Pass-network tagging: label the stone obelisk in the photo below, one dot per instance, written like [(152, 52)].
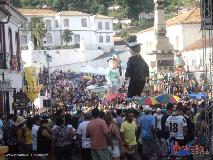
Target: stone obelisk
[(162, 47)]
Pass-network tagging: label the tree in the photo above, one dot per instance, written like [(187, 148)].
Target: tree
[(16, 3), (119, 13), (38, 31), (147, 6), (102, 10), (117, 26), (67, 36), (57, 4), (125, 36)]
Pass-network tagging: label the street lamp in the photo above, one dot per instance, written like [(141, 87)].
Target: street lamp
[(49, 59)]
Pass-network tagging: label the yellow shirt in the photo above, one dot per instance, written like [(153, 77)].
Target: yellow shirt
[(128, 130), (28, 137)]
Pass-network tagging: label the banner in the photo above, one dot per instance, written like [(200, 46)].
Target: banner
[(31, 74), (32, 89)]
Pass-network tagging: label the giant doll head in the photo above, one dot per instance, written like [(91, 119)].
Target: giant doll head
[(114, 62)]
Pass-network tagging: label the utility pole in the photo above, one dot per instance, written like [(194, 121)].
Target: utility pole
[(49, 59)]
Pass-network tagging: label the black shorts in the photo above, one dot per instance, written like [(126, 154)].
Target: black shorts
[(135, 88)]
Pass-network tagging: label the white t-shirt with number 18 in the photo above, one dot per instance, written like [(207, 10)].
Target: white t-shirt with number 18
[(176, 123)]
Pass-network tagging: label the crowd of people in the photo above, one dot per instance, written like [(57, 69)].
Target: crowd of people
[(170, 83), (109, 133), (84, 127), (69, 88)]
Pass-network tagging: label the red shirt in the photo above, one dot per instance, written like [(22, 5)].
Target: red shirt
[(96, 130)]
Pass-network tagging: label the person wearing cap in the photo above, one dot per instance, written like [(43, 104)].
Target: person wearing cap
[(84, 141), (19, 126), (137, 69), (147, 127)]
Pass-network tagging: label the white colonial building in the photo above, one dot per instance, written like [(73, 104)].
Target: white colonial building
[(95, 31), (196, 60), (182, 31), (11, 79)]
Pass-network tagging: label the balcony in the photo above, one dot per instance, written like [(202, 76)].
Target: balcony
[(3, 60)]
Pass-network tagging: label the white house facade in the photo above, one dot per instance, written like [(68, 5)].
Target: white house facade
[(94, 31), (182, 31), (195, 59), (10, 56)]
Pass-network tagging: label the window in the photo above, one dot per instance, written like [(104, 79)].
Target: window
[(66, 22), (101, 39), (48, 25), (83, 22), (2, 38), (177, 42), (193, 62), (77, 38), (56, 24), (10, 41), (107, 25), (100, 27), (49, 39), (23, 39), (18, 54), (107, 39)]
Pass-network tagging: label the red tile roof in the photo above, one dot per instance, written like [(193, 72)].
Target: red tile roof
[(37, 12), (191, 17), (72, 13), (198, 45)]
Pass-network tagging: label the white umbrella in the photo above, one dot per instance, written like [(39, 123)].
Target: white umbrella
[(99, 89)]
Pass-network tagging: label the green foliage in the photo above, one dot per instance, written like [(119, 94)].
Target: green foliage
[(173, 5), (143, 23), (119, 13), (16, 3), (57, 5), (125, 36), (67, 36), (147, 6), (38, 31), (102, 10), (128, 8), (117, 26)]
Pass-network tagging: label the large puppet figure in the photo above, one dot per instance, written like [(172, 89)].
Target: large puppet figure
[(113, 77), (137, 70)]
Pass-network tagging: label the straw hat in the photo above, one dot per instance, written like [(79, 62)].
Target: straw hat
[(19, 120)]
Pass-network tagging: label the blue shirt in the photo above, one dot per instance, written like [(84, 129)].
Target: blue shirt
[(146, 123)]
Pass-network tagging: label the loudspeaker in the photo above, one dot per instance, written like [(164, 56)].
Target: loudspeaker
[(47, 103), (206, 14)]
